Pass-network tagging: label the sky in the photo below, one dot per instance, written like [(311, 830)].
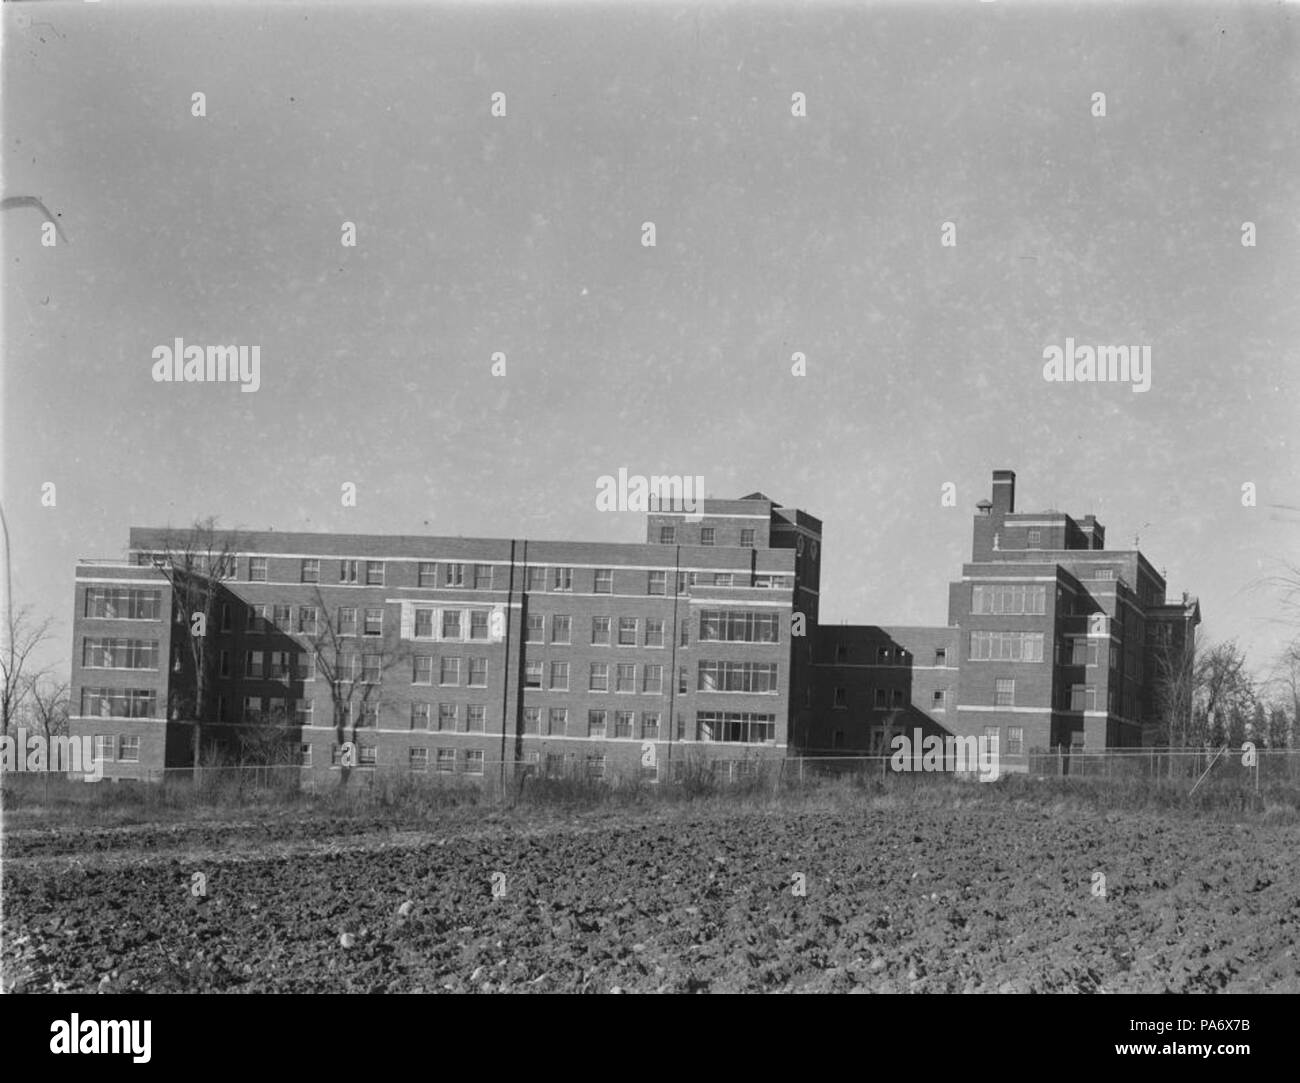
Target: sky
[(774, 234)]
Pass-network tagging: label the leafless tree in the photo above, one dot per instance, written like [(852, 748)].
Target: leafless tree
[(23, 634), (1225, 692), (49, 708)]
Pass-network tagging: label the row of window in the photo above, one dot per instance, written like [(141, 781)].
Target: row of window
[(123, 603), (124, 749), (1006, 646), (1009, 598), (708, 536), (111, 653)]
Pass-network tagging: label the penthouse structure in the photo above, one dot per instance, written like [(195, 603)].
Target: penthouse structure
[(450, 654)]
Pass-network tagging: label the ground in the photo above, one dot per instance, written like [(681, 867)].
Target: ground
[(900, 896)]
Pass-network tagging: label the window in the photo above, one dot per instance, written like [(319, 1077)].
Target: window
[(595, 723), (449, 672), (1033, 539), (307, 620), (722, 579), (683, 681), (557, 721), (447, 717), (562, 579), (623, 723), (309, 571), (657, 583), (226, 622), (737, 677), (706, 535), (303, 710), (256, 623), (223, 665), (423, 624), (882, 699), (367, 755), (559, 676), (280, 666), (682, 580), (420, 716), (347, 571), (654, 632), (535, 629), (478, 672), (478, 624), (652, 680), (686, 633), (882, 655), (128, 604), (532, 720), (600, 631), (104, 748), (1009, 598), (533, 674), (129, 750), (422, 669), (667, 535), (938, 699), (347, 621), (561, 629), (119, 653), (304, 755), (306, 666), (1083, 697), (1006, 646), (453, 575), (725, 626), (370, 665), (896, 697), (253, 665), (451, 624), (747, 539), (595, 766), (374, 622), (940, 656), (257, 569), (282, 618), (1004, 693), (537, 579), (445, 761), (1083, 652), (473, 761), (374, 573), (482, 576), (649, 725), (625, 678), (475, 718), (1104, 573), (742, 727), (627, 631), (427, 574), (599, 681), (252, 709), (1015, 740), (992, 738), (419, 759), (604, 581), (841, 699)]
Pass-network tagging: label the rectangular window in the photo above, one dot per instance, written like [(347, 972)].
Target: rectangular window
[(1015, 740), (449, 671), (727, 626), (599, 681), (478, 624), (722, 579), (938, 699), (557, 721), (256, 623), (667, 535), (757, 677), (374, 622), (562, 579), (1033, 539), (595, 767), (304, 755), (478, 672), (307, 620), (104, 747), (742, 727), (652, 681), (445, 761), (305, 663), (447, 717), (482, 576), (707, 534), (657, 583), (108, 603), (595, 723), (533, 674), (532, 720), (473, 761), (226, 614), (896, 697), (650, 725), (374, 573), (347, 571), (1009, 598), (367, 755), (282, 618), (600, 631), (625, 678), (453, 575), (1083, 697), (623, 723), (535, 629), (427, 574), (252, 709), (475, 718), (119, 653), (686, 633), (309, 571), (1004, 694), (129, 750), (559, 676), (654, 632), (422, 669), (747, 539), (223, 665), (627, 631), (347, 621), (1006, 646), (423, 624), (561, 629), (451, 624), (420, 716), (303, 709), (537, 579), (604, 581), (253, 666), (882, 699), (370, 667), (683, 681), (280, 666), (419, 759), (941, 656), (257, 569), (841, 698)]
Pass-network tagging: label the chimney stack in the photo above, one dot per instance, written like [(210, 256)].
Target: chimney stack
[(1004, 491)]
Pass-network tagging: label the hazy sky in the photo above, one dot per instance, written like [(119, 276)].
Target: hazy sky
[(775, 234)]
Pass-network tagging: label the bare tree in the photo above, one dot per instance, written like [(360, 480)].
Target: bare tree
[(1225, 692), (352, 665), (50, 708), (23, 634), (1175, 690), (196, 562)]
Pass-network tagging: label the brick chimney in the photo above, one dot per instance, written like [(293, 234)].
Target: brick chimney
[(1004, 492)]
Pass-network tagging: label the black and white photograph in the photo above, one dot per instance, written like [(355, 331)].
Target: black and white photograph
[(650, 498)]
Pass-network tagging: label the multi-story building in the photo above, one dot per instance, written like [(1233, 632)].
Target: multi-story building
[(467, 655), (1052, 640)]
